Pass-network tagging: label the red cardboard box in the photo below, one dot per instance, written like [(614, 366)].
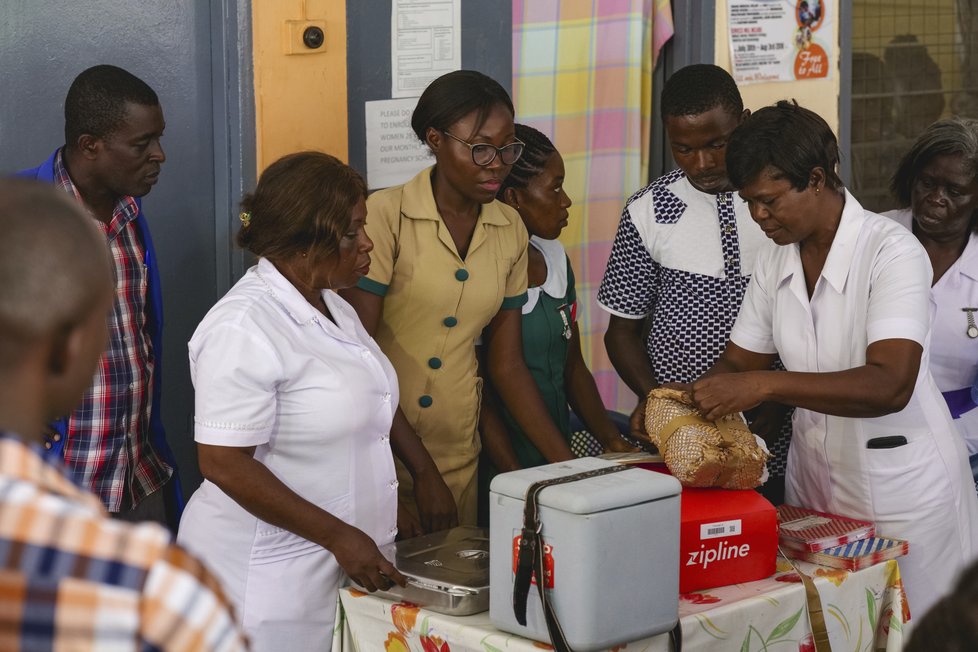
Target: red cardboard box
[(726, 537)]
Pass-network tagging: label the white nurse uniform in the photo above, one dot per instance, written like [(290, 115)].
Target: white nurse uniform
[(953, 352), (317, 399), (874, 286)]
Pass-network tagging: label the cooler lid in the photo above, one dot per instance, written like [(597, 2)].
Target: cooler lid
[(592, 495), (458, 557)]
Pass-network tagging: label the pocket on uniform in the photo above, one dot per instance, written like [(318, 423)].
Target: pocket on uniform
[(274, 544), (903, 479)]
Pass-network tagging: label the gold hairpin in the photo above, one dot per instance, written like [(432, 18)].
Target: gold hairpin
[(245, 218)]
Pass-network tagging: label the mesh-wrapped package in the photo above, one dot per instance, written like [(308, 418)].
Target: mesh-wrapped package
[(702, 453)]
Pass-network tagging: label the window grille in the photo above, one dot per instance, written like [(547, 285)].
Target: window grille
[(913, 62)]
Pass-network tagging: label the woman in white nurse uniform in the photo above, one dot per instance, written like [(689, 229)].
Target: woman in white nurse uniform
[(844, 302), (937, 183), (294, 403)]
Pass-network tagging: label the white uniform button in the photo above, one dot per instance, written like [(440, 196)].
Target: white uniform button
[(387, 397)]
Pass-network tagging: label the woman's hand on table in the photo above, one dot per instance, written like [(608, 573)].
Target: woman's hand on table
[(722, 394), (636, 422), (408, 525), (436, 505), (613, 443), (359, 557)]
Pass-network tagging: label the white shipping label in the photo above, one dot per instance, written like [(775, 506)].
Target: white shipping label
[(806, 522), (720, 529)]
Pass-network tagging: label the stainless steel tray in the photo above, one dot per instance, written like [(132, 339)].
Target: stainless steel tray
[(448, 571)]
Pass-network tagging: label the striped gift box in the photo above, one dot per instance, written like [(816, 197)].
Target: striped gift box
[(856, 555), (807, 530)]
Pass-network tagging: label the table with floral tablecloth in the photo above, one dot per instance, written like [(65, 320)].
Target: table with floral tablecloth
[(864, 610)]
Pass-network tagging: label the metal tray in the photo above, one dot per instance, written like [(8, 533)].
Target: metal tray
[(448, 571)]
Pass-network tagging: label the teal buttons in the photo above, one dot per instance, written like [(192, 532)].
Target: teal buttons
[(449, 321), (461, 275), (424, 401), (434, 363)]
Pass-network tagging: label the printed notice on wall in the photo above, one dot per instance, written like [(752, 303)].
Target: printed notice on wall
[(425, 43), (394, 153), (780, 40)]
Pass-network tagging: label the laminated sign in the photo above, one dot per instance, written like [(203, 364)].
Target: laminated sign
[(780, 40)]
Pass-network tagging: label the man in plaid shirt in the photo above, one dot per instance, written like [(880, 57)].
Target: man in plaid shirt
[(70, 578), (113, 442)]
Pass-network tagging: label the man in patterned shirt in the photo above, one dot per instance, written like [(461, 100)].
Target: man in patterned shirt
[(70, 578), (683, 256), (113, 442)]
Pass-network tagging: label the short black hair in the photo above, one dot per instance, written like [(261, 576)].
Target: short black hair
[(698, 88), (453, 96), (537, 151), (96, 101), (954, 136), (788, 137)]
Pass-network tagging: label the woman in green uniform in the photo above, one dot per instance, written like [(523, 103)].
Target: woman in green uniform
[(551, 341)]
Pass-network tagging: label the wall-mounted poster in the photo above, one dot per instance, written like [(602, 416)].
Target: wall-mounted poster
[(394, 153), (425, 43), (780, 40)]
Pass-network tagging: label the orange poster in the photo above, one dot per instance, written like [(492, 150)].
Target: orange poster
[(780, 40)]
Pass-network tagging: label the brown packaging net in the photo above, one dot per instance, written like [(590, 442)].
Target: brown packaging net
[(702, 453)]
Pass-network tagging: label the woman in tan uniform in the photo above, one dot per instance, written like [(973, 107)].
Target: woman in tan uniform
[(449, 262)]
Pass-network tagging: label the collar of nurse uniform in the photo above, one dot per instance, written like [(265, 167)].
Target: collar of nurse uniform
[(295, 305), (839, 261), (967, 263), (418, 202)]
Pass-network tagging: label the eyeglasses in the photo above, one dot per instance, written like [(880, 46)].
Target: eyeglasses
[(484, 154)]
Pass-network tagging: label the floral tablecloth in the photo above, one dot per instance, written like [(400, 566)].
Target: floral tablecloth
[(864, 610)]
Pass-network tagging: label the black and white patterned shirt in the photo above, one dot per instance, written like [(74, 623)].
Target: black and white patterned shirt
[(682, 258)]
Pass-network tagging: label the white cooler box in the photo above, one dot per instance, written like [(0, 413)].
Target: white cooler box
[(611, 553)]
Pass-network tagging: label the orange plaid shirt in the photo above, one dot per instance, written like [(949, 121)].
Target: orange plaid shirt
[(71, 578)]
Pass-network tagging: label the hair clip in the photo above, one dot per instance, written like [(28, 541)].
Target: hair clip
[(245, 218)]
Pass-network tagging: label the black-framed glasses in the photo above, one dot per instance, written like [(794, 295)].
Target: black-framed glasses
[(484, 154)]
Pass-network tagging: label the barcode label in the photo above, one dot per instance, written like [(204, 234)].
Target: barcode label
[(721, 529)]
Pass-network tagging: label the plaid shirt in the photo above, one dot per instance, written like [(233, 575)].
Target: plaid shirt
[(71, 578), (108, 448)]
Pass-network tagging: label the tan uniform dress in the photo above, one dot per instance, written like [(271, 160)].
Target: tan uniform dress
[(435, 306)]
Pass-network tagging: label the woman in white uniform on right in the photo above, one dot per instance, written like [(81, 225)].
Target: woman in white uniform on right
[(844, 301), (937, 184)]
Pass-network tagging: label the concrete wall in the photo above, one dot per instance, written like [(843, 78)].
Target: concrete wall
[(179, 49)]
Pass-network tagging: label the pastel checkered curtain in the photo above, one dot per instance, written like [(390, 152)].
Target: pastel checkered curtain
[(582, 74)]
